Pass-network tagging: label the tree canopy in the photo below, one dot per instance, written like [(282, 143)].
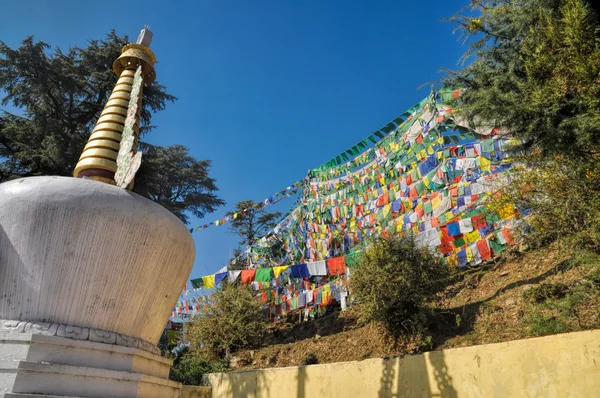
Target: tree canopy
[(58, 96), (535, 72), (252, 221)]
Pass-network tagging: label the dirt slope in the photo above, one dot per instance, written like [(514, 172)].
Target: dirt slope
[(485, 305)]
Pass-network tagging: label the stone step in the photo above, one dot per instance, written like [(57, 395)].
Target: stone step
[(79, 381), (64, 351)]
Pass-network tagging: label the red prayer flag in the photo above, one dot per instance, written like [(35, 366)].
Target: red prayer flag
[(412, 194), (508, 236), (336, 266), (446, 247), (478, 221), (484, 249), (247, 275)]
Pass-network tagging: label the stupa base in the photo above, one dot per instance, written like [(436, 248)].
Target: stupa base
[(32, 364)]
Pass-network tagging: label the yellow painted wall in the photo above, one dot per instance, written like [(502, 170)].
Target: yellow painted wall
[(565, 365)]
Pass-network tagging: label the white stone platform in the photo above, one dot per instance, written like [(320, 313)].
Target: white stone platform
[(51, 365)]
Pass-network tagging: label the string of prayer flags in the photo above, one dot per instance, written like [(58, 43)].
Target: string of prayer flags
[(271, 200)]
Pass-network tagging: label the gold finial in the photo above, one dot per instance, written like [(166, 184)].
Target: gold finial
[(99, 158)]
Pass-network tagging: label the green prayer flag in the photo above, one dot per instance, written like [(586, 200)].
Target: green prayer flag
[(197, 283), (492, 217), (442, 218), (421, 188), (427, 207), (487, 145), (263, 275), (459, 242), (496, 247)]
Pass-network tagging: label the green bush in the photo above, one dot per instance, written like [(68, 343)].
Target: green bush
[(393, 280), (234, 320), (545, 291), (564, 197), (190, 371)]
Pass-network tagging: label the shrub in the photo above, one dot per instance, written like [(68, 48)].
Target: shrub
[(545, 291), (564, 197), (393, 280), (190, 371), (234, 320)]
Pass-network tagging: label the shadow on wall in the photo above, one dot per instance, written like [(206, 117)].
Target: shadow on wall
[(412, 376), (242, 383), (419, 376), (18, 281), (301, 379)]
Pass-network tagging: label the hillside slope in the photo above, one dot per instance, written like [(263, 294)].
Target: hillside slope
[(521, 295)]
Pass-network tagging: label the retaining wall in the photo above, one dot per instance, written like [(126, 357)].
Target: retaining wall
[(565, 365)]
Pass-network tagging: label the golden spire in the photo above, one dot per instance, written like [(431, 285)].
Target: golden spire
[(99, 158)]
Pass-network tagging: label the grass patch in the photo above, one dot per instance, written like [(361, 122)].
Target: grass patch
[(546, 291)]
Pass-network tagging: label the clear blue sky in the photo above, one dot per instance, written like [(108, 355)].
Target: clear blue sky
[(267, 89)]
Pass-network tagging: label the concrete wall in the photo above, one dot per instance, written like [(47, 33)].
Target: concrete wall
[(566, 365)]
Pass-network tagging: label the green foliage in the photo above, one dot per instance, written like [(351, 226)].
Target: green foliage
[(540, 325), (545, 291), (556, 308), (594, 277), (177, 181), (58, 96), (564, 195), (394, 279), (536, 72), (191, 371), (251, 223), (233, 321)]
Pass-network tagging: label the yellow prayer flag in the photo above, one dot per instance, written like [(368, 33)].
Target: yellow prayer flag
[(278, 270), (469, 254), (209, 281), (473, 236), (506, 212), (386, 210), (485, 164)]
